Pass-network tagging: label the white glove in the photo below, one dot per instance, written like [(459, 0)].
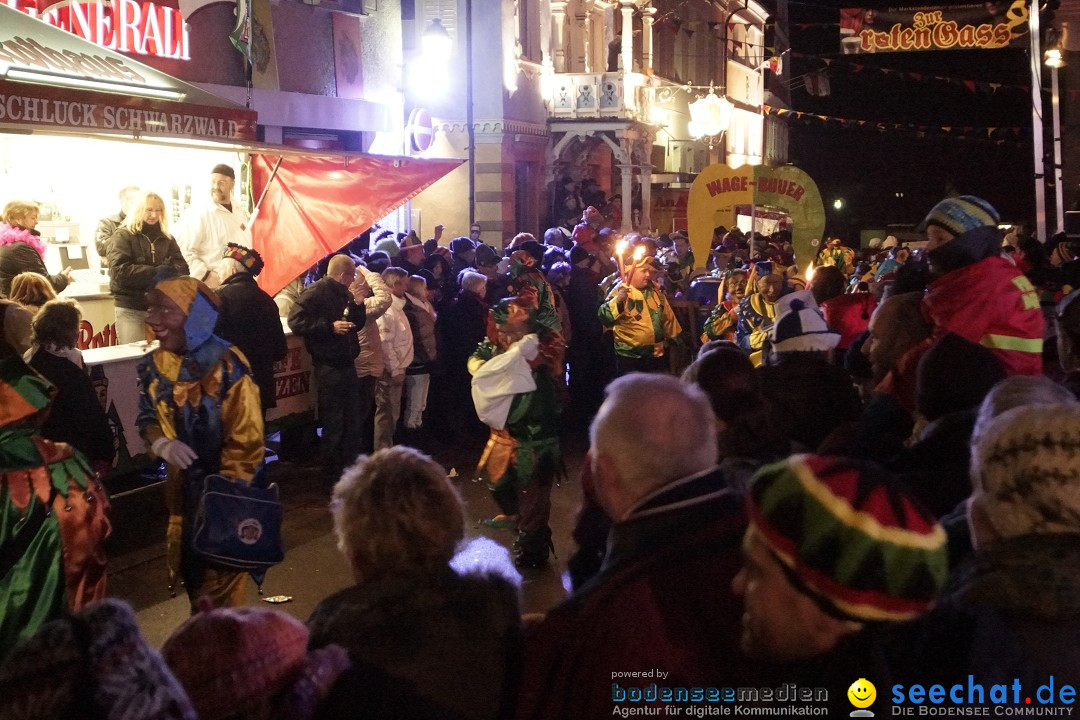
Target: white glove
[(174, 452)]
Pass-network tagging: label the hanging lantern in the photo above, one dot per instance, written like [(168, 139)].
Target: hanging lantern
[(710, 115)]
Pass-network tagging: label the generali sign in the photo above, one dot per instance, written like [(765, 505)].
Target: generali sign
[(139, 28), (29, 53)]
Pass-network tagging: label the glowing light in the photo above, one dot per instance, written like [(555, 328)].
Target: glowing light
[(710, 115)]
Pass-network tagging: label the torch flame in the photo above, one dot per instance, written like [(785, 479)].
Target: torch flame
[(810, 273), (639, 252), (620, 248)]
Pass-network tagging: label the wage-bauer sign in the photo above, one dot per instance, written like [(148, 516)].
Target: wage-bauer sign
[(963, 27)]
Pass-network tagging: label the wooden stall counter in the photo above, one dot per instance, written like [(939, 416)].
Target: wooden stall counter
[(113, 371)]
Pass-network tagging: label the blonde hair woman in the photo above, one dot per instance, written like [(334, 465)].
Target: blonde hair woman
[(140, 252), (398, 521), (22, 249)]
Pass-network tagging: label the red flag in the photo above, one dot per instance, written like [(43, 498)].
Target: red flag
[(315, 205)]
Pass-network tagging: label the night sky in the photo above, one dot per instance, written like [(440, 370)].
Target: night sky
[(867, 167)]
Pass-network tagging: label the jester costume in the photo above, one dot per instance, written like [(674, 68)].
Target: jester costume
[(756, 316), (53, 520), (838, 256), (643, 326), (721, 322), (525, 272), (897, 258), (205, 398), (522, 456)]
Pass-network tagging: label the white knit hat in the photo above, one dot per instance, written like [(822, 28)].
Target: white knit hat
[(800, 326), (1025, 470)]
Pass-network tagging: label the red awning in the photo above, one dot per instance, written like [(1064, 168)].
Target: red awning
[(314, 206)]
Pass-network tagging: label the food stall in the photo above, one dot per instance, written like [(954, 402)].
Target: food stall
[(79, 122)]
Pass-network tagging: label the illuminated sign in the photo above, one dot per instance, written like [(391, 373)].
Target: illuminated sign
[(29, 53), (982, 26), (139, 28)]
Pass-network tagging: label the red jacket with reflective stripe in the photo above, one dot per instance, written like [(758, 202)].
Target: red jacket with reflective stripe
[(994, 304)]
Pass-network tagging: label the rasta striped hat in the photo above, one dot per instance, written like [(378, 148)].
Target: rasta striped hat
[(849, 537), (958, 215)]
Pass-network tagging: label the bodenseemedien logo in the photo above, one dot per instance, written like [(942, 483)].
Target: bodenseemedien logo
[(862, 694)]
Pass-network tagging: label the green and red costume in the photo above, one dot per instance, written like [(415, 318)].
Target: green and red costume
[(53, 520)]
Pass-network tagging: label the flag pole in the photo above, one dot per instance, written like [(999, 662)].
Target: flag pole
[(266, 188)]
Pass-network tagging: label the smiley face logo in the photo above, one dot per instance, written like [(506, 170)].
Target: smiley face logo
[(862, 693)]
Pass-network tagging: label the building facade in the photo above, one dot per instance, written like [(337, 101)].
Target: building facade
[(575, 102)]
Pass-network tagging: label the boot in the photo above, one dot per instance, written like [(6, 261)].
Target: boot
[(531, 549)]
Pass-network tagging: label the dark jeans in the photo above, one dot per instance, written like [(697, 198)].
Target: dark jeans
[(646, 365), (340, 416)]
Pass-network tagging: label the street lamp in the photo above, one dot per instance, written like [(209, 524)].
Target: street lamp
[(838, 204), (430, 69), (435, 42), (1054, 58), (710, 116)]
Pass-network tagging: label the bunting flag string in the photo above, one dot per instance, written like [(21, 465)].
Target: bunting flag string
[(973, 86), (998, 134)]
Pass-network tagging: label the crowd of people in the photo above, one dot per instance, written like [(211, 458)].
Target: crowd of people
[(868, 469)]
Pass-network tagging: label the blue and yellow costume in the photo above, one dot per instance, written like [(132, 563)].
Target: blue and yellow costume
[(205, 398), (755, 318)]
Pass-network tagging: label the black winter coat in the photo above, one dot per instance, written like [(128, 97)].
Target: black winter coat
[(313, 316), (106, 228), (453, 637), (135, 260), (249, 320), (18, 257), (462, 326), (75, 416)]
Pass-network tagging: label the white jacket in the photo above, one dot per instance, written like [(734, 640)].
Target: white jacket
[(203, 231), (370, 359), (396, 336)]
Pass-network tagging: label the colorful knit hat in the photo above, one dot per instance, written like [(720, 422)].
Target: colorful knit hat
[(848, 536), (1025, 470), (250, 259), (800, 326), (46, 676), (235, 658), (198, 302), (958, 215)]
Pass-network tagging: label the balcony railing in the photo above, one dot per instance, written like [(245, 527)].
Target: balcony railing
[(616, 95)]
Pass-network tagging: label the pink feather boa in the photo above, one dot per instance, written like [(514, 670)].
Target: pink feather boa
[(10, 234)]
